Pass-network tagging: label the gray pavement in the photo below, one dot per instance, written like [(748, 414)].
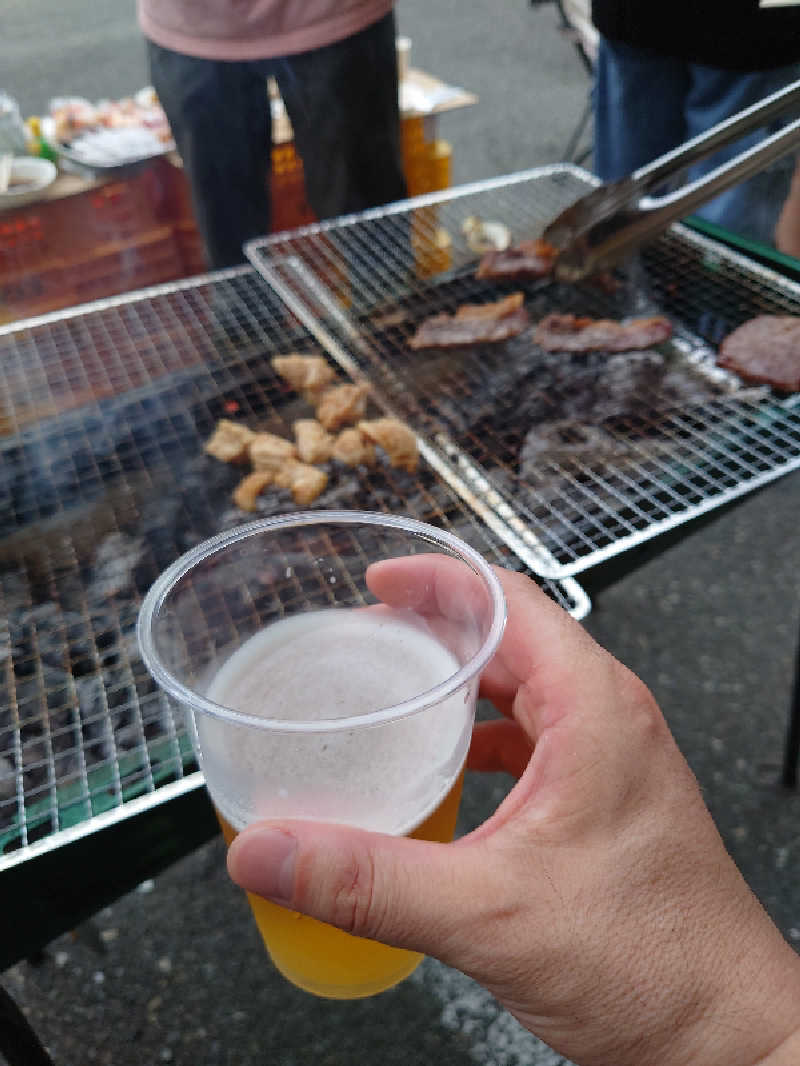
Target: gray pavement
[(710, 624)]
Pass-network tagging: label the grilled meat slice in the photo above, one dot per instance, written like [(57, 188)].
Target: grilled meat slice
[(765, 350), (526, 260), (473, 324), (572, 333)]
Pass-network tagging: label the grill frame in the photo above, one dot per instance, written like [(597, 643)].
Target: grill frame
[(188, 377), (388, 262)]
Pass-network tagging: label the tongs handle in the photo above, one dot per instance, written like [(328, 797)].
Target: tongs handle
[(702, 146), (611, 221)]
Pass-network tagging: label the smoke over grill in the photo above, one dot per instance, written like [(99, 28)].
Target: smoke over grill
[(98, 495)]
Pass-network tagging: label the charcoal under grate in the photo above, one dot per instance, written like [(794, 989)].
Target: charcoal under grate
[(585, 455), (103, 483)]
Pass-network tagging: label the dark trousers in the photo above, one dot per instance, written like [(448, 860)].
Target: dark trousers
[(342, 103)]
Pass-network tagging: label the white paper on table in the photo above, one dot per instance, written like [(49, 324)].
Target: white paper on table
[(423, 101)]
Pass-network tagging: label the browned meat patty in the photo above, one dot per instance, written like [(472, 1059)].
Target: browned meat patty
[(765, 350), (571, 333), (528, 259), (473, 324)]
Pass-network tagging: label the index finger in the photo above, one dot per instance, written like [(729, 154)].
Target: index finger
[(431, 584), (543, 650)]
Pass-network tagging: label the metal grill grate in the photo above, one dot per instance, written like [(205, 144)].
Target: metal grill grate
[(584, 456), (103, 482)]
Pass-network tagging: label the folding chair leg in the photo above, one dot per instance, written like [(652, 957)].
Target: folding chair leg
[(569, 154)]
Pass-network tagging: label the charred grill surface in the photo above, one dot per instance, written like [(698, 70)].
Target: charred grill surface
[(593, 452), (100, 496)]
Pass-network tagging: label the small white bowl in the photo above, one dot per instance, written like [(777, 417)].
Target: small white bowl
[(36, 174)]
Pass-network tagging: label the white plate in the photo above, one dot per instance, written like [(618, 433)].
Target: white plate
[(37, 174), (112, 157)]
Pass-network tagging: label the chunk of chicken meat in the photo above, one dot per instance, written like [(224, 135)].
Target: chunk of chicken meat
[(229, 441), (303, 481), (269, 452), (352, 448), (249, 488), (308, 374), (396, 439), (314, 443), (341, 405)]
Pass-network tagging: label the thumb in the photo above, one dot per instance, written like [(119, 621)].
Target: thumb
[(408, 893)]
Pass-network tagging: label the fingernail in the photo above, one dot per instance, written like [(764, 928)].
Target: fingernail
[(262, 861)]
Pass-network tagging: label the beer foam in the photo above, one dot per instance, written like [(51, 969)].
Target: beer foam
[(322, 666)]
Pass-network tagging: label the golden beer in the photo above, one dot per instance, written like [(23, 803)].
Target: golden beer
[(328, 663), (402, 778), (322, 959)]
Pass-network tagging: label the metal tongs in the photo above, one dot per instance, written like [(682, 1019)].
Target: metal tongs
[(615, 219)]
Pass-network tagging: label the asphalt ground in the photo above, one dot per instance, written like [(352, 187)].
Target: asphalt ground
[(175, 972)]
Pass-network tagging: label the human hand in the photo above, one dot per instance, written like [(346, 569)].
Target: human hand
[(597, 903)]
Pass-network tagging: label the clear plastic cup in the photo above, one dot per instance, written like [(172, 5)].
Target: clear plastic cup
[(329, 664)]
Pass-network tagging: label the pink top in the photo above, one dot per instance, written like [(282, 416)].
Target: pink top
[(254, 29)]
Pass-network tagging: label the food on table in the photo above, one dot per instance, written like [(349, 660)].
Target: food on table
[(765, 350), (526, 260), (230, 441), (72, 116), (314, 443), (108, 148), (245, 493), (305, 482), (352, 448), (308, 374), (396, 439), (111, 131), (342, 404), (473, 324), (269, 452), (573, 333)]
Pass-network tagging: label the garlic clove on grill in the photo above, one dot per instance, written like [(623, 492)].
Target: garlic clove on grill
[(485, 236)]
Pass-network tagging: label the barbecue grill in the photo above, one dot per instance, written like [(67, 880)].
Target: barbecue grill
[(584, 457), (105, 410)]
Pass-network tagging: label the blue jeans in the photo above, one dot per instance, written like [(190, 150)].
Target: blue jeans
[(342, 103), (646, 104)]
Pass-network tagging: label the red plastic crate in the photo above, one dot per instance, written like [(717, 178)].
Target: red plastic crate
[(35, 238), (148, 260), (151, 258), (29, 237), (191, 248), (115, 211)]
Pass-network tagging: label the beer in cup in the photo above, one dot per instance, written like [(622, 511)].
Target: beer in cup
[(309, 696)]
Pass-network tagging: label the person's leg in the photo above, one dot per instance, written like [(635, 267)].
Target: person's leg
[(751, 208), (342, 103), (219, 116), (638, 108)]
